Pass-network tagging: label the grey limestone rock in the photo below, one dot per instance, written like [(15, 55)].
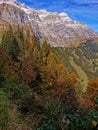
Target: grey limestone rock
[(57, 29)]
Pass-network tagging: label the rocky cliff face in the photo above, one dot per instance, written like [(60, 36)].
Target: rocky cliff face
[(58, 29)]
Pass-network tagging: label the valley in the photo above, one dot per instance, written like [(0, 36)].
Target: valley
[(48, 70)]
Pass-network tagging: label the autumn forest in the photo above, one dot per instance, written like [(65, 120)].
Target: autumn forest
[(40, 90)]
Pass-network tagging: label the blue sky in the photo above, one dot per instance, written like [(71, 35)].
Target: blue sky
[(81, 10)]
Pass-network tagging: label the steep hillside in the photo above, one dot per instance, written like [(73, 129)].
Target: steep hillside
[(37, 92), (48, 70), (81, 58)]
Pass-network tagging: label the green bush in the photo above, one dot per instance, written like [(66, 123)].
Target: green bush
[(4, 110), (13, 90), (47, 125)]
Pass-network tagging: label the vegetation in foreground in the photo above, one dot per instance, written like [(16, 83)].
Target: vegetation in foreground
[(36, 90)]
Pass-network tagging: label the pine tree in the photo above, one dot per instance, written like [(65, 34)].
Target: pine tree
[(10, 44)]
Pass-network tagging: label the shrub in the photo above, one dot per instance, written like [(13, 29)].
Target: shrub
[(4, 110)]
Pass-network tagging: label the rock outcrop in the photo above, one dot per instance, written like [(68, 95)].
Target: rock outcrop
[(57, 29)]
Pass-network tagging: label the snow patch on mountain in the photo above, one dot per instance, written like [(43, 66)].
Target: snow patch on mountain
[(58, 29)]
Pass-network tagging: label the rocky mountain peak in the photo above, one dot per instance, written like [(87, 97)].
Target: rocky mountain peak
[(8, 1), (57, 29)]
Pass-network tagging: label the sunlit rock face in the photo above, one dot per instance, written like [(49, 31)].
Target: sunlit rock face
[(57, 29)]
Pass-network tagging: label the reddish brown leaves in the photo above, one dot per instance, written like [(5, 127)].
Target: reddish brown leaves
[(27, 73)]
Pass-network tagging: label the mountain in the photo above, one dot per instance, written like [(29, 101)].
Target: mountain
[(44, 87), (60, 31), (57, 29)]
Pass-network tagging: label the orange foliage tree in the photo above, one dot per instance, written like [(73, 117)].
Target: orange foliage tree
[(92, 89), (91, 94), (73, 79)]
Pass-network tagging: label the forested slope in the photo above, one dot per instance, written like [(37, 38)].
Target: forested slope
[(37, 91)]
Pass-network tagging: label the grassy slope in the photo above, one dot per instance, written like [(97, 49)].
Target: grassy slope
[(82, 59), (82, 75)]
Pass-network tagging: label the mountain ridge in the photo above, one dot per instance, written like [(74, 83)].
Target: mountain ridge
[(57, 29)]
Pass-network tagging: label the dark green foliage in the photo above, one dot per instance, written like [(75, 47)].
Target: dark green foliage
[(14, 91), (11, 45), (96, 100), (1, 79), (19, 35), (27, 103), (4, 110), (47, 125), (83, 122)]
